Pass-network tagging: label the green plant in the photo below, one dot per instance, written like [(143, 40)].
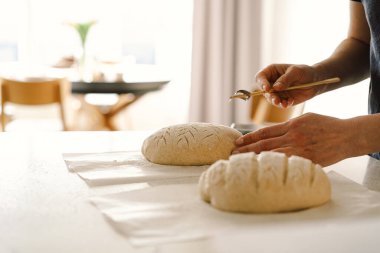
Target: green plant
[(83, 29)]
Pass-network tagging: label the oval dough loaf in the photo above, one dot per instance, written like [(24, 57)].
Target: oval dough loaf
[(265, 183), (190, 144)]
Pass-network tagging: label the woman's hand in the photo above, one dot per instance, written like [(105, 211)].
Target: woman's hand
[(278, 77), (322, 139)]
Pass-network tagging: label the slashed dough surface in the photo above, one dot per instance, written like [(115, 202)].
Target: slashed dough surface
[(190, 144), (265, 183)]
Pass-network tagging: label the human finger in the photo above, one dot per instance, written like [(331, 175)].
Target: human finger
[(267, 76), (284, 103), (291, 76), (260, 146), (262, 80), (285, 99), (276, 99), (262, 134)]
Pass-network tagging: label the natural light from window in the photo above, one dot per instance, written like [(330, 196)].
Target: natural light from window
[(145, 32)]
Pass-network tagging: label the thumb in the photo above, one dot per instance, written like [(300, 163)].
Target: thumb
[(292, 76)]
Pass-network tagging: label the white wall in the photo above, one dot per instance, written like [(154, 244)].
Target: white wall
[(173, 56)]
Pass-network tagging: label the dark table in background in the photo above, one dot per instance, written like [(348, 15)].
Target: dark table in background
[(136, 88), (128, 93)]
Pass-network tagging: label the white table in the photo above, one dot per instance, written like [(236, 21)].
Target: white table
[(44, 208)]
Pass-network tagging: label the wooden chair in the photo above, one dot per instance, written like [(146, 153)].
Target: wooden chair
[(263, 113), (34, 91)]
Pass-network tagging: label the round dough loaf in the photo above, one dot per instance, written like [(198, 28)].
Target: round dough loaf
[(190, 144), (265, 183)]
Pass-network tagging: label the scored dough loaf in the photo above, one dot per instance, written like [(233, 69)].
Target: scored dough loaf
[(190, 144), (265, 183)]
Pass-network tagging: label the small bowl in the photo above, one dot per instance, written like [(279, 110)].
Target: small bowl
[(245, 128)]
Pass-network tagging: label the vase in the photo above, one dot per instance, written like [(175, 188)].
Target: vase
[(84, 62), (84, 67)]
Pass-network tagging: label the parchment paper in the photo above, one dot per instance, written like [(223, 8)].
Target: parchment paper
[(127, 167), (175, 213)]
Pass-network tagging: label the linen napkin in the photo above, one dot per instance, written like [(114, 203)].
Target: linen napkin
[(175, 213), (127, 167)]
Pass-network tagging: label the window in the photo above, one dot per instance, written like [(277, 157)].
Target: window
[(156, 32)]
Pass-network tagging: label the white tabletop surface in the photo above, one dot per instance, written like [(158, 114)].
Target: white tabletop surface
[(44, 208)]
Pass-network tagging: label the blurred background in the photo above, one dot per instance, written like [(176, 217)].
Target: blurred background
[(203, 50)]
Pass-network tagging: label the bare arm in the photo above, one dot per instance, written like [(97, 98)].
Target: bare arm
[(324, 140), (365, 131), (350, 60)]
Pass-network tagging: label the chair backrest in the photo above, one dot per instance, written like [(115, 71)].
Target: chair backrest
[(33, 92), (262, 112)]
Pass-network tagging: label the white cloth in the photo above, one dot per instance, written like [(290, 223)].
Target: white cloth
[(174, 213), (127, 167)]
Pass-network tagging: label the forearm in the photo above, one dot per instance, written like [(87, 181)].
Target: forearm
[(349, 62), (365, 135)]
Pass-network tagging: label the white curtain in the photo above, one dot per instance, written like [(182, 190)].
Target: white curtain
[(225, 58)]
